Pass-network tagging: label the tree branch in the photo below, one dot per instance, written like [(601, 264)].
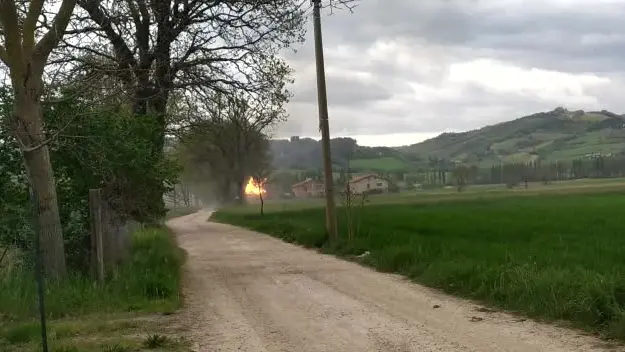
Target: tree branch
[(12, 37), (53, 36), (30, 149), (121, 48), (30, 24)]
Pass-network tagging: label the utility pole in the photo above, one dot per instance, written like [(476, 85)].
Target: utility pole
[(322, 99)]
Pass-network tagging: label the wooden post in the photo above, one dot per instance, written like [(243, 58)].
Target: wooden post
[(95, 206), (324, 126)]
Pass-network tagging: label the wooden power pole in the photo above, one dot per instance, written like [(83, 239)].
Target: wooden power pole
[(322, 98)]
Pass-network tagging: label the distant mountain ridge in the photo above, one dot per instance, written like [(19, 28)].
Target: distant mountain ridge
[(559, 134), (554, 135)]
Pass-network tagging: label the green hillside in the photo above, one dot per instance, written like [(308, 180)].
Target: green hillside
[(379, 164), (555, 135), (305, 154)]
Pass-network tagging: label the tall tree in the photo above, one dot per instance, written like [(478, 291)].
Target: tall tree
[(461, 174), (157, 47), (231, 141), (26, 54)]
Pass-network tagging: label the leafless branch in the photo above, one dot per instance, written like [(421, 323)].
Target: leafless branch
[(50, 40), (348, 5), (155, 50), (30, 25)]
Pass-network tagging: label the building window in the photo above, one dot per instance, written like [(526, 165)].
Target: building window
[(368, 186), (380, 184)]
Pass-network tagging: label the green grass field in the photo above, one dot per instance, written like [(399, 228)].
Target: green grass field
[(553, 256), (379, 164), (472, 192)]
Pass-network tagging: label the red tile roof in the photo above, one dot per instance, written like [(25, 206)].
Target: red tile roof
[(362, 177), (308, 180)]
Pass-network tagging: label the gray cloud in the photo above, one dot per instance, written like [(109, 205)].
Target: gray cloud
[(389, 64), (343, 91)]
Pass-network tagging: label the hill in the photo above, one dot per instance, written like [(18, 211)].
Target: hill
[(305, 154), (555, 135), (559, 134)]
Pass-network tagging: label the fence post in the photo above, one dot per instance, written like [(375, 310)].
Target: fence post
[(95, 206)]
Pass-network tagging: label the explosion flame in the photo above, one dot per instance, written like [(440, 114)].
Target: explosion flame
[(254, 189)]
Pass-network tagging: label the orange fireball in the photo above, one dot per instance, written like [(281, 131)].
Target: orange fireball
[(253, 188)]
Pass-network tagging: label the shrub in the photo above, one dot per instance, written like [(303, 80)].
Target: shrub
[(148, 281)]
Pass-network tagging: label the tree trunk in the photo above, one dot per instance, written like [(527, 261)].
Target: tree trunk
[(26, 58), (240, 192), (30, 132), (48, 218), (262, 204)]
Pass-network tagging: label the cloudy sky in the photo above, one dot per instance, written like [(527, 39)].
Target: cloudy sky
[(400, 71)]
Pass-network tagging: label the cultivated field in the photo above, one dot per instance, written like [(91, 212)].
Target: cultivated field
[(555, 252), (471, 192)]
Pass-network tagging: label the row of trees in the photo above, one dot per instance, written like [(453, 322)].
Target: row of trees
[(80, 70), (596, 167), (512, 174)]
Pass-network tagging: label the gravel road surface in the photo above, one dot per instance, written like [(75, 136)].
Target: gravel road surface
[(245, 291)]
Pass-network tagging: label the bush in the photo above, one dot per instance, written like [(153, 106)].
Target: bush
[(118, 156), (393, 187), (148, 281)]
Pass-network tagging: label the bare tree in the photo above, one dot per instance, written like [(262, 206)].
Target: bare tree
[(260, 177), (25, 48), (157, 47), (232, 142), (461, 173)]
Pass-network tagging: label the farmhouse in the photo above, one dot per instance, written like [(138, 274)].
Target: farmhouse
[(308, 188), (368, 183)]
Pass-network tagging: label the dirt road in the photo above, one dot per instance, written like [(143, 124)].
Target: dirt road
[(250, 292)]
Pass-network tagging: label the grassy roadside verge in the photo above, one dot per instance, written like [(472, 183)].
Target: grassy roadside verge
[(129, 312), (555, 257)]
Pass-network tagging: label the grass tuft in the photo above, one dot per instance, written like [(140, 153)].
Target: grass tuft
[(155, 341), (116, 348)]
